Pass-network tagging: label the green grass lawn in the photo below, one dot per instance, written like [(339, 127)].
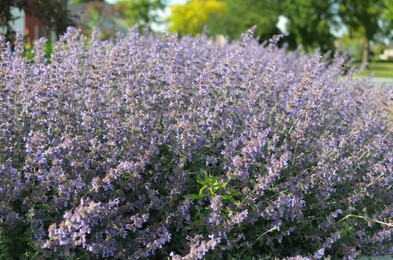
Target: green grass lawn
[(381, 69)]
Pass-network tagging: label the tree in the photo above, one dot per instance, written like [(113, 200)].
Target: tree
[(388, 13), (363, 18), (53, 14), (112, 18), (388, 18), (191, 17), (308, 23), (144, 13), (241, 15), (85, 1), (98, 14)]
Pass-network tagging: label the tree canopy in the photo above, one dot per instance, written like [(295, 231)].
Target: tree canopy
[(144, 13), (53, 14), (191, 17), (240, 15), (111, 18), (308, 20), (310, 23), (84, 1), (363, 18), (388, 12)]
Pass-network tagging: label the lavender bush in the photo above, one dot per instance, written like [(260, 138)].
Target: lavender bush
[(159, 147)]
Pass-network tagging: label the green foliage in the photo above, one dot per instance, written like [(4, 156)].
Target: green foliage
[(4, 244), (388, 12), (210, 183), (364, 20), (29, 53), (361, 16), (112, 18), (15, 241), (4, 250), (191, 17), (84, 1), (242, 15), (308, 21), (98, 14), (144, 13), (54, 14), (309, 24)]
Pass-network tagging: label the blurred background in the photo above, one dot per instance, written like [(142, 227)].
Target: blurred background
[(361, 28)]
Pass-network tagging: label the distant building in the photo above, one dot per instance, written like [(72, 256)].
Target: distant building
[(29, 26)]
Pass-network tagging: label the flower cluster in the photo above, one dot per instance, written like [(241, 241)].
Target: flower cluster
[(103, 146)]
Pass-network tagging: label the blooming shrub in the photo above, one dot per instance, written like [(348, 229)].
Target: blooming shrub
[(161, 147)]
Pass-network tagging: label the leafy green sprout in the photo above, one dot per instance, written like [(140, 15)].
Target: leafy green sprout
[(213, 185)]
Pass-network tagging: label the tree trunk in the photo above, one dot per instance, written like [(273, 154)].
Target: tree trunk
[(366, 49)]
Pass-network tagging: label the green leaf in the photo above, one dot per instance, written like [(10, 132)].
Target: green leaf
[(196, 196), (202, 189), (228, 197), (235, 193), (200, 181)]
